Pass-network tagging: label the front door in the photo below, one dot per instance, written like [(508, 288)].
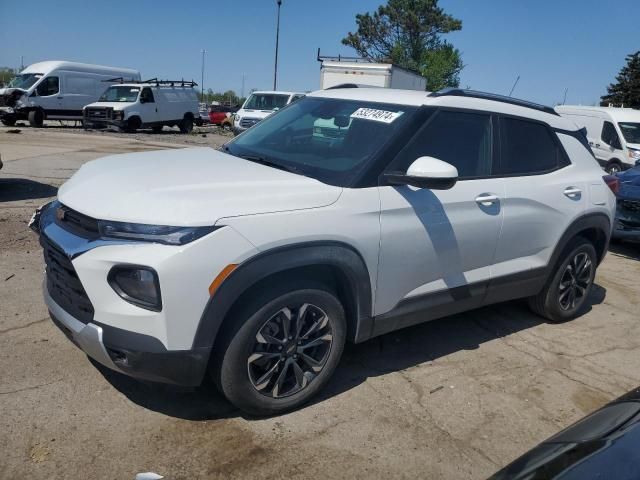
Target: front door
[(437, 246), (49, 96), (148, 107)]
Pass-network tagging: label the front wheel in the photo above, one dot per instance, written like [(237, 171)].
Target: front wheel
[(36, 118), (566, 292), (613, 167), (284, 351)]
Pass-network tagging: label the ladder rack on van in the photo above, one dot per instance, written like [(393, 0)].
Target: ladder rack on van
[(172, 83)]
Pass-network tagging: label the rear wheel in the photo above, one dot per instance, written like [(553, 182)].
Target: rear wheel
[(283, 350), (186, 125), (36, 118), (566, 292)]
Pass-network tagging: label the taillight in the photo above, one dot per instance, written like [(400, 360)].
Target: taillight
[(612, 182)]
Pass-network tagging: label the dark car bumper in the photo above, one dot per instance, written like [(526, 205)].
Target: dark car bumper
[(133, 354)]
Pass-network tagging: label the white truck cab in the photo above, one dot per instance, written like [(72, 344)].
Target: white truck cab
[(613, 133), (260, 105), (149, 104), (57, 90)]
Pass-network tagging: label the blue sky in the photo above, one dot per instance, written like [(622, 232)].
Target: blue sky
[(552, 45)]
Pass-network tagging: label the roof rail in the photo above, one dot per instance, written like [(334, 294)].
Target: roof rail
[(460, 92)]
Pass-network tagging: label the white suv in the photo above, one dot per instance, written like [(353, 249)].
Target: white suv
[(257, 262)]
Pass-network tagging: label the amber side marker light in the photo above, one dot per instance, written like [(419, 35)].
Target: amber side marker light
[(226, 271)]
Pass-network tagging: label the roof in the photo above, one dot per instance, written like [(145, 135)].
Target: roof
[(50, 65), (417, 98), (619, 114), (277, 92)]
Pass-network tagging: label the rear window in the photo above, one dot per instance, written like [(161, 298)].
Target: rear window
[(527, 148)]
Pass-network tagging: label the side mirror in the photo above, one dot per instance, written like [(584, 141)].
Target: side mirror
[(426, 172), (143, 100)]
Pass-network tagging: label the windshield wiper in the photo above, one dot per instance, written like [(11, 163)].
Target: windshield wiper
[(269, 163)]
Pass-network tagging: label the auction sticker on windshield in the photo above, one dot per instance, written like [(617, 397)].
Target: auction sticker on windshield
[(376, 115)]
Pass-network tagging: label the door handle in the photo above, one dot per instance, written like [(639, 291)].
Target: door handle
[(572, 192), (597, 145), (487, 199)]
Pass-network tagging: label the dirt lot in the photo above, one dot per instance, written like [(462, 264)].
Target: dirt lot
[(455, 398)]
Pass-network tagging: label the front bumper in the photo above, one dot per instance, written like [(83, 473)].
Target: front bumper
[(116, 350), (152, 345)]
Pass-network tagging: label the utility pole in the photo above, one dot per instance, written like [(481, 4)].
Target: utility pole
[(275, 69), (202, 77)]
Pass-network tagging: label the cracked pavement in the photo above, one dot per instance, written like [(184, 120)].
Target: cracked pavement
[(456, 398)]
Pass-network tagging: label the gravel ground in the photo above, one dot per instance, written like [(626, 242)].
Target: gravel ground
[(456, 398)]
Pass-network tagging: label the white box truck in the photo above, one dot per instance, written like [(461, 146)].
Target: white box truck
[(338, 72), (57, 90)]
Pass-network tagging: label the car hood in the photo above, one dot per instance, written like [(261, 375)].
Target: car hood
[(630, 184), (115, 105), (187, 187)]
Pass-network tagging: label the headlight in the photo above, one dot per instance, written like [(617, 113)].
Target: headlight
[(634, 154), (137, 285), (153, 233), (118, 114)]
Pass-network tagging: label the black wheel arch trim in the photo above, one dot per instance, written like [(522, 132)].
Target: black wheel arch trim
[(281, 259), (589, 221)]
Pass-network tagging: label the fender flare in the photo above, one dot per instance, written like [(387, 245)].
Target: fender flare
[(321, 253), (596, 220)]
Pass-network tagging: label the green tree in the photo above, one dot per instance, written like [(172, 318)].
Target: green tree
[(626, 90), (409, 33), (6, 74)]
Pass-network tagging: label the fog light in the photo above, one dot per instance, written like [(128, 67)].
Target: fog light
[(137, 285)]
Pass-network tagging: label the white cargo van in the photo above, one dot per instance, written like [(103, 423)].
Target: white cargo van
[(613, 133), (149, 104), (260, 105), (57, 90), (385, 75)]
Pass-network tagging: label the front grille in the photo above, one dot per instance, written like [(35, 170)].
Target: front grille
[(63, 283), (631, 205), (248, 122), (77, 222), (99, 113)]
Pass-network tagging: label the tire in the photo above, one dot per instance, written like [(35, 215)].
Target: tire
[(8, 121), (613, 167), (251, 363), (36, 118), (157, 128), (186, 125), (133, 124), (565, 293)]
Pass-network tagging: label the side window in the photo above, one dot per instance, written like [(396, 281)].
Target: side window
[(147, 95), (461, 139), (527, 148), (49, 86), (610, 136)]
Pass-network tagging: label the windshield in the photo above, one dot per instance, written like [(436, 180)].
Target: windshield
[(630, 131), (266, 101), (327, 139), (25, 80), (120, 93)]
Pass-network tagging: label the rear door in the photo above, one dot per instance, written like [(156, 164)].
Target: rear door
[(440, 244), (543, 193)]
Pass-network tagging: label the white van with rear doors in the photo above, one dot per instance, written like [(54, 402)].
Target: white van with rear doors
[(57, 90), (613, 133), (149, 104), (259, 106)]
